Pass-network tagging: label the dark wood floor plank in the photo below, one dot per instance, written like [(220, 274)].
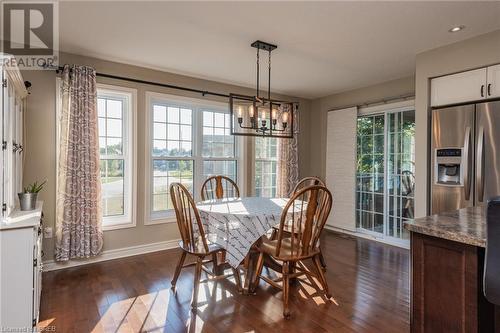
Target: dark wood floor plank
[(369, 282)]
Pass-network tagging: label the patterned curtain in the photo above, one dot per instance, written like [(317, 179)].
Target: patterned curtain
[(78, 206), (288, 157)]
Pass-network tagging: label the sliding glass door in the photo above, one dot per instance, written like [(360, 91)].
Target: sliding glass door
[(370, 173), (385, 172)]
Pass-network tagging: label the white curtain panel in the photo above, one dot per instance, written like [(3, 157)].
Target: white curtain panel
[(341, 167)]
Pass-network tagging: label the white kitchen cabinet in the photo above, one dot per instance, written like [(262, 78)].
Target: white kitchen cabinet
[(459, 88), (493, 81)]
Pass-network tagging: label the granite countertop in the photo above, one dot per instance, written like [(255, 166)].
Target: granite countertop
[(467, 226)]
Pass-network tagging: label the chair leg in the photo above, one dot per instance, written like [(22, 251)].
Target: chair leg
[(237, 278), (321, 274), (286, 290), (178, 269), (197, 276), (222, 257), (322, 260), (215, 264), (258, 270)]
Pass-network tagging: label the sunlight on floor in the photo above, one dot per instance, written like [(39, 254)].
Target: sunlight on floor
[(45, 324), (312, 289), (157, 311)]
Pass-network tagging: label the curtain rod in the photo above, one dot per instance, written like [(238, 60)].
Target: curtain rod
[(164, 85), (376, 102)]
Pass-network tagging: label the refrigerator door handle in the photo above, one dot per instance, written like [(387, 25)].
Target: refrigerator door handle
[(468, 163), (480, 165)]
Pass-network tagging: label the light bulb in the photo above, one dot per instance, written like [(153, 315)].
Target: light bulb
[(274, 112), (285, 117)]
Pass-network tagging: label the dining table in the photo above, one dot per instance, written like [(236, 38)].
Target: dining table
[(235, 224)]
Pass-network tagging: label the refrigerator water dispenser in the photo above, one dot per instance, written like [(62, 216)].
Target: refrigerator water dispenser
[(448, 168)]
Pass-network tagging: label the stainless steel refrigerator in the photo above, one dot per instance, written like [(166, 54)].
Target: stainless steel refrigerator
[(465, 162)]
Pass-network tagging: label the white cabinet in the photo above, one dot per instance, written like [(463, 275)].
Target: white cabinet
[(459, 88), (12, 104), (20, 232), (470, 86), (21, 269), (493, 81)]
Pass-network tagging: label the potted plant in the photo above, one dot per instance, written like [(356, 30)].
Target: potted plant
[(27, 199)]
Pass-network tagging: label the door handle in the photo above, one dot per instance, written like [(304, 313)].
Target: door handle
[(489, 89), (482, 90), (467, 159), (480, 165)]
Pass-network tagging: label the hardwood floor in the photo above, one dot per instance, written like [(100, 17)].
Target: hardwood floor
[(369, 282)]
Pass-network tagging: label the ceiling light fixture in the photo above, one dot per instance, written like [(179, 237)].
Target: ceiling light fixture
[(261, 116), (457, 28)]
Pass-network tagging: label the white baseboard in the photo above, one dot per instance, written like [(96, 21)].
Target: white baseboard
[(51, 265), (401, 244)]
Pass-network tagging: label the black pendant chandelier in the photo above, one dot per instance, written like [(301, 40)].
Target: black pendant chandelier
[(262, 116)]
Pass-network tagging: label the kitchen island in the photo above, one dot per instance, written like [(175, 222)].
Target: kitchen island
[(447, 255)]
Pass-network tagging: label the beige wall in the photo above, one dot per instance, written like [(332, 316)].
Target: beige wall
[(40, 145), (321, 106), (472, 53)]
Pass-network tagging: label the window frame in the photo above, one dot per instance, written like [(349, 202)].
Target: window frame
[(197, 106), (129, 147)]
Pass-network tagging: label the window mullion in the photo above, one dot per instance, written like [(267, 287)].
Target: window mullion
[(197, 150)]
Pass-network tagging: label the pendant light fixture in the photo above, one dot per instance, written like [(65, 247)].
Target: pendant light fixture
[(261, 116)]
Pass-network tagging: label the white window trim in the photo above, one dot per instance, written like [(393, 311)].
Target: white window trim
[(195, 104), (129, 221), (405, 105)]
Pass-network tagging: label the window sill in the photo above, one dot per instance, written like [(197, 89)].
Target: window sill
[(118, 226), (160, 220)]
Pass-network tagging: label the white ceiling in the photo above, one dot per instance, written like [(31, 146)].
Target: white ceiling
[(323, 47)]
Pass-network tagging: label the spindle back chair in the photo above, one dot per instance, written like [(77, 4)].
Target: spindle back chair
[(194, 240), (307, 211), (219, 187)]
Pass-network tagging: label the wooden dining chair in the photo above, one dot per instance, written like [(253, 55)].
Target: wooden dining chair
[(307, 181), (293, 248), (219, 187), (303, 183), (194, 241)]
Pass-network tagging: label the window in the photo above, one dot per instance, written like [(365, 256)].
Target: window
[(266, 160), (218, 145), (172, 153), (116, 146), (190, 141)]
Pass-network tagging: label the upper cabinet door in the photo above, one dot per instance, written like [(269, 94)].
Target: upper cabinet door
[(493, 84), (459, 88)]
